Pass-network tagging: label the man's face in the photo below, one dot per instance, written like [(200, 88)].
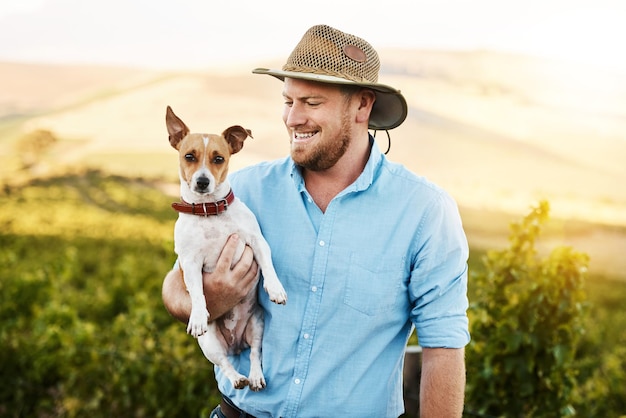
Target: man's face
[(318, 118)]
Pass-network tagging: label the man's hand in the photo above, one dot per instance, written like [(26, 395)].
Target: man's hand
[(224, 288)]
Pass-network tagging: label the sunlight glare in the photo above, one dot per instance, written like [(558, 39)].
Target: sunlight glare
[(23, 6), (585, 36)]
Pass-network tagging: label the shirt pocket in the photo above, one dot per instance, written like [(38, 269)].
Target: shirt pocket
[(373, 285)]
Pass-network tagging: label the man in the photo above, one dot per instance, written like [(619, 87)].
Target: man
[(364, 248)]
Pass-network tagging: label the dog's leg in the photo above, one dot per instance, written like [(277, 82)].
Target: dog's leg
[(271, 284), (254, 338), (215, 351), (192, 275)]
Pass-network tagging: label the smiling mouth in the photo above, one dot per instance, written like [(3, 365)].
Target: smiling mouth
[(303, 136)]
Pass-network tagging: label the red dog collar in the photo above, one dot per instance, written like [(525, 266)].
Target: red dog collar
[(205, 209)]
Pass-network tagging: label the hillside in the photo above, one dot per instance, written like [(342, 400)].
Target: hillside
[(517, 128), (28, 89), (499, 132)]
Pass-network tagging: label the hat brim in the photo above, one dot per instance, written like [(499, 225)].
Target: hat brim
[(390, 108)]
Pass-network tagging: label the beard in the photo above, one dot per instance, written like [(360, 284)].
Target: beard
[(324, 155)]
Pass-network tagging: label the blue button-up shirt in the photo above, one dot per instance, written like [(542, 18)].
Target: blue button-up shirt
[(388, 253)]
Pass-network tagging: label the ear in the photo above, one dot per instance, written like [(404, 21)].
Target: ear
[(235, 135), (175, 127), (367, 97)]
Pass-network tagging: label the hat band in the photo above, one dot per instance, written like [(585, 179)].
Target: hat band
[(324, 71)]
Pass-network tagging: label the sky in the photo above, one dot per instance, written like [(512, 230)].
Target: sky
[(178, 34)]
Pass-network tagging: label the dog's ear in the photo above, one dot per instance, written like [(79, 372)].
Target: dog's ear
[(235, 135), (175, 127)]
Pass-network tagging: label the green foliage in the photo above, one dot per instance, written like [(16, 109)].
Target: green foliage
[(84, 333), (82, 326), (602, 353), (527, 323)]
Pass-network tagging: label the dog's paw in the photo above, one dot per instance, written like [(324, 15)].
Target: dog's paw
[(257, 384), (196, 330), (241, 382), (276, 293), (198, 323)]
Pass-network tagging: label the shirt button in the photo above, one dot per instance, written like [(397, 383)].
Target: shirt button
[(314, 288), (297, 381), (306, 336), (322, 243)]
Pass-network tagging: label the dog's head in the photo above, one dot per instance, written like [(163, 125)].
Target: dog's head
[(203, 157)]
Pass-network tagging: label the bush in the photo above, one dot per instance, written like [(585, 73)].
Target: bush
[(527, 322), (602, 354), (82, 326), (84, 333)]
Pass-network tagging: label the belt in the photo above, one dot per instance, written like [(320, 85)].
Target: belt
[(229, 409)]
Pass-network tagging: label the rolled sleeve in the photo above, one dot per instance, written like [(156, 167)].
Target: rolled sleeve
[(438, 287)]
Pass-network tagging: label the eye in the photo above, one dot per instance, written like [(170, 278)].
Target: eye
[(190, 157), (218, 160)]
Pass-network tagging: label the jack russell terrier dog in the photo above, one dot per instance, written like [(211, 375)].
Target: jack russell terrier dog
[(208, 214)]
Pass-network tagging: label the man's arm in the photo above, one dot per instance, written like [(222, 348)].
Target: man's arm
[(442, 386), (223, 288)]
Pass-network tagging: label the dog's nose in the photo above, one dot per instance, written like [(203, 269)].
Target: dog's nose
[(203, 183)]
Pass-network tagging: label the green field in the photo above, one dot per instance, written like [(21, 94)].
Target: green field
[(84, 332)]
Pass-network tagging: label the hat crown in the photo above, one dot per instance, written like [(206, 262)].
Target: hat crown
[(328, 51), (327, 55)]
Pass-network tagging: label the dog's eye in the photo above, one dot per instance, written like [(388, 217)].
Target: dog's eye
[(190, 157), (218, 160)]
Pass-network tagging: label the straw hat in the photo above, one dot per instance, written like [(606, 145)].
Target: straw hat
[(328, 55)]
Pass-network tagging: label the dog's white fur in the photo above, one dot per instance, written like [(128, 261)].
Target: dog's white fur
[(199, 241)]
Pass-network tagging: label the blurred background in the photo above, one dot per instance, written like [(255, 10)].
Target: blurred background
[(510, 103)]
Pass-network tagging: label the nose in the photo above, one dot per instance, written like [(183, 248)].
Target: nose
[(203, 183), (294, 115)]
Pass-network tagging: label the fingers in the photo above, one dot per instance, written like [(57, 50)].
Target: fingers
[(249, 279), (225, 259), (247, 265), (245, 262), (225, 287)]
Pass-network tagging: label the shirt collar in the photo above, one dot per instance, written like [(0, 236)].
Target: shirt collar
[(365, 179)]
